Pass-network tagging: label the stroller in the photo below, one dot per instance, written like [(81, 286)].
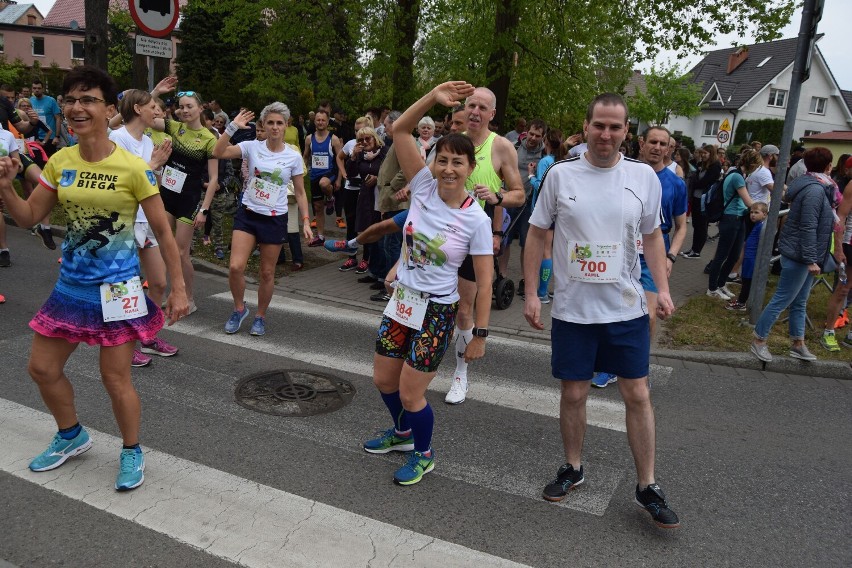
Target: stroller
[(504, 288)]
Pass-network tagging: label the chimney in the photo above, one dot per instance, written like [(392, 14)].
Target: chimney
[(736, 59)]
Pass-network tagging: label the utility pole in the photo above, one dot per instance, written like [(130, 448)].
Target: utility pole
[(811, 15)]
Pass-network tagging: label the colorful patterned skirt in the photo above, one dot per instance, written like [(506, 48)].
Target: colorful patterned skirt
[(73, 312)]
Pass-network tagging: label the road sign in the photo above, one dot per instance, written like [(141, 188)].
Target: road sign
[(723, 136), (726, 126), (153, 46), (156, 18)]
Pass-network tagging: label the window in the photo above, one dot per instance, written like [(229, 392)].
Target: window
[(818, 105), (38, 46), (77, 50), (31, 19), (711, 127), (716, 98), (2, 44), (764, 62), (811, 132), (777, 98)]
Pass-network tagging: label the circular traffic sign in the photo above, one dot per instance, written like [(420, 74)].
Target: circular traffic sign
[(723, 136), (156, 18)]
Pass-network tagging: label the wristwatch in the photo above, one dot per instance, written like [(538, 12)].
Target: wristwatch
[(498, 233), (671, 257), (204, 211), (480, 332), (499, 197)]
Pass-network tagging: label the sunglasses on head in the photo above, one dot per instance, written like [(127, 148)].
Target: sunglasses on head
[(187, 94)]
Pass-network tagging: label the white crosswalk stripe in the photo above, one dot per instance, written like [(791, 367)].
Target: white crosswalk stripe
[(227, 516)]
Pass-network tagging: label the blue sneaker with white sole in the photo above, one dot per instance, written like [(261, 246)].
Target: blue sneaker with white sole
[(131, 469), (60, 450), (601, 380), (258, 327), (236, 320), (414, 469)]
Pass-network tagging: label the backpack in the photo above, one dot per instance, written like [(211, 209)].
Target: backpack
[(713, 202)]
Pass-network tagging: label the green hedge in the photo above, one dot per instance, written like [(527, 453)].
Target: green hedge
[(766, 130)]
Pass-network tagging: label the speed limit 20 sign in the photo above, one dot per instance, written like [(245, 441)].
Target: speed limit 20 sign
[(155, 18)]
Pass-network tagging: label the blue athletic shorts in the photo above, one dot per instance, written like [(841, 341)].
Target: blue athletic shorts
[(646, 280), (268, 230), (579, 350)]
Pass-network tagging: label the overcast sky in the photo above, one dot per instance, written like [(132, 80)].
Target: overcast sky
[(834, 46)]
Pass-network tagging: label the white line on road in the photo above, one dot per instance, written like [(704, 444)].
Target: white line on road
[(227, 516)]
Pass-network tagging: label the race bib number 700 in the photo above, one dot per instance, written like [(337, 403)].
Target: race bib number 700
[(595, 262)]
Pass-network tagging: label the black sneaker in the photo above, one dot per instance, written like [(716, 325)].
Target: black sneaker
[(520, 289), (377, 286), (652, 500), (368, 279), (380, 297), (5, 259), (566, 480), (690, 254), (46, 237)]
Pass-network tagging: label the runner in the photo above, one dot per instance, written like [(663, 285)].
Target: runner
[(321, 147), (418, 323), (138, 110), (600, 316), (496, 166), (98, 298), (262, 215), (183, 175)]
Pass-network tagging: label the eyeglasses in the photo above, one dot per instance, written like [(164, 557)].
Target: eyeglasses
[(85, 102), (363, 140)]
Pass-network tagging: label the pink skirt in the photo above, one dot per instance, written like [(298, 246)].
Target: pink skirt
[(73, 313)]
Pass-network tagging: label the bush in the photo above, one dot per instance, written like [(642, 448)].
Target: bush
[(766, 130)]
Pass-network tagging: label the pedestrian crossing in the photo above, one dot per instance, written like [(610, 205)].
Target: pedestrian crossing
[(203, 386)]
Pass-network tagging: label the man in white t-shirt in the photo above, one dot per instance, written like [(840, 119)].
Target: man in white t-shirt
[(761, 182), (601, 203)]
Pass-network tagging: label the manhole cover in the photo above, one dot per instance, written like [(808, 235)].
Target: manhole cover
[(293, 393)]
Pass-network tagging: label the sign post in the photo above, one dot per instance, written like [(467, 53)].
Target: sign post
[(724, 134), (157, 19)]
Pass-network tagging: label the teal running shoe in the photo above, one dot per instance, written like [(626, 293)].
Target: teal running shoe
[(131, 470), (413, 471), (60, 450), (389, 441)]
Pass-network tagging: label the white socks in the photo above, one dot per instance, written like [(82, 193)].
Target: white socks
[(464, 336)]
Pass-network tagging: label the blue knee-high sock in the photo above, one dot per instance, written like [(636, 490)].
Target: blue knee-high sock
[(399, 415), (422, 423), (544, 276)]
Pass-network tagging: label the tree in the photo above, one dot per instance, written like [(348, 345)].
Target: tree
[(667, 92), (97, 32), (119, 51)]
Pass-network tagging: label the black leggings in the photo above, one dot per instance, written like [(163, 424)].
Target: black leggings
[(699, 226)]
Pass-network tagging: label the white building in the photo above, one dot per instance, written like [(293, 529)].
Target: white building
[(753, 82)]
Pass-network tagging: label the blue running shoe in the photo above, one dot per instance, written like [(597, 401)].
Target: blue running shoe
[(60, 450), (131, 470), (236, 320), (340, 246), (389, 441), (601, 380), (413, 471), (258, 327)]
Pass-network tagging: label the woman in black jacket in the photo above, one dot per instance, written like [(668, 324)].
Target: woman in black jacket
[(709, 171)]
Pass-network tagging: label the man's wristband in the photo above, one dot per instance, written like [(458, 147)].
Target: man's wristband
[(231, 129), (671, 257), (498, 233)]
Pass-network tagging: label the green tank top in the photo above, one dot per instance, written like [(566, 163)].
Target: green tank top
[(484, 172)]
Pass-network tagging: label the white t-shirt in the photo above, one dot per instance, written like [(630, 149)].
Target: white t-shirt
[(347, 149), (269, 174), (597, 212), (673, 167), (578, 150), (143, 148), (756, 184), (8, 143), (436, 240)]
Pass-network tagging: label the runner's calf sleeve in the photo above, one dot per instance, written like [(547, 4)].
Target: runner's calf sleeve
[(462, 339)]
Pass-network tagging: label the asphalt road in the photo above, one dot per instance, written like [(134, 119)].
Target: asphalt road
[(757, 468)]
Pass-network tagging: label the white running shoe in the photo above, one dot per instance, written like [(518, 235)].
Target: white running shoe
[(718, 293), (457, 392)]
